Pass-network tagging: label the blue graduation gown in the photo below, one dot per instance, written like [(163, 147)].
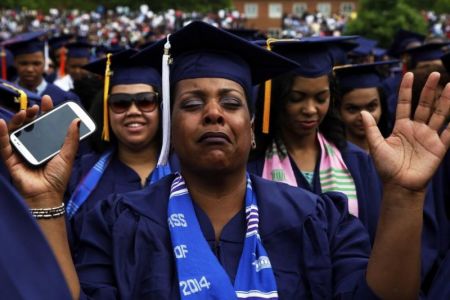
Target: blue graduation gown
[(28, 270), (362, 169), (58, 95), (317, 250), (436, 236), (117, 178), (440, 288)]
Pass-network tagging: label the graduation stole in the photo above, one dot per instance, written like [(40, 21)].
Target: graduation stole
[(200, 274), (333, 172), (92, 178)]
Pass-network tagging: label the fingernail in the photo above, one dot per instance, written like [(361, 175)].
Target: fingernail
[(78, 123)]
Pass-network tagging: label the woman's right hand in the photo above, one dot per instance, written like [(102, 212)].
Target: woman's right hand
[(43, 186)]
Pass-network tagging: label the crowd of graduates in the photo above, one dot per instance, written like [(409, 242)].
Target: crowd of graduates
[(228, 165)]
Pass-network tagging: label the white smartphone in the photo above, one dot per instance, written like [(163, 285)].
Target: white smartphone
[(43, 138)]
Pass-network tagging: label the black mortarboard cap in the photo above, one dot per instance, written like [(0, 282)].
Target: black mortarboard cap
[(427, 52), (403, 40), (362, 75), (26, 43)]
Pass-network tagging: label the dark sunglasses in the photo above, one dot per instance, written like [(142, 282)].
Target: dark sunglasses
[(146, 102)]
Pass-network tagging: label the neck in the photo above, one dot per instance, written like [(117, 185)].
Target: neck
[(220, 196), (30, 86), (359, 141), (304, 150), (295, 142), (142, 161)]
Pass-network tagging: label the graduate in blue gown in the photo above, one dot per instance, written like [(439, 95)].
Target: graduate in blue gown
[(304, 134), (29, 60), (13, 99), (78, 54), (213, 230), (126, 150), (359, 87), (28, 269)]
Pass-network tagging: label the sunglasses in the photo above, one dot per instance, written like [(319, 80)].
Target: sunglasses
[(121, 102)]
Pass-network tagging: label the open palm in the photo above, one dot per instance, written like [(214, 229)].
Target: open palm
[(411, 155)]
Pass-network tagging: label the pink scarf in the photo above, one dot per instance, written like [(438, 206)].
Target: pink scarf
[(334, 174)]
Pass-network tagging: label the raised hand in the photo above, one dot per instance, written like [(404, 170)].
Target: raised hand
[(410, 156), (48, 181)]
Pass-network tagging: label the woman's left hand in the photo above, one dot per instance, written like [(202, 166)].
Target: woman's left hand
[(409, 157)]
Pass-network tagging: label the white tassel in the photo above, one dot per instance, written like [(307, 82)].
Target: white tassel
[(46, 57), (165, 149)]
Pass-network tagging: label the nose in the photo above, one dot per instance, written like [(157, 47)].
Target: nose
[(29, 68), (133, 109), (309, 107), (213, 113)]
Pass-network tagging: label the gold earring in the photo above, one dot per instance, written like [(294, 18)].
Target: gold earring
[(253, 141)]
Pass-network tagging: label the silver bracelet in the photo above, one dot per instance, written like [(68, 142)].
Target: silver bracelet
[(48, 213)]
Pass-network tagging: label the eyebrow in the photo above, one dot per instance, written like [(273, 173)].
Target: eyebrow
[(221, 92), (373, 101)]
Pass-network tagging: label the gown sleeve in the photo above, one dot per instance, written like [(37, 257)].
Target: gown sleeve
[(124, 254), (347, 244)]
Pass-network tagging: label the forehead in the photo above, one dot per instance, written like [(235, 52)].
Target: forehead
[(207, 85), (131, 88), (77, 60), (310, 85), (30, 56), (361, 96)]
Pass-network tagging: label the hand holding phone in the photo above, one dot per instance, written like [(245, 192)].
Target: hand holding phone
[(43, 138), (42, 186)]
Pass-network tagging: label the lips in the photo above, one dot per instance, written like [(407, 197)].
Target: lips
[(214, 138), (308, 124), (134, 123)]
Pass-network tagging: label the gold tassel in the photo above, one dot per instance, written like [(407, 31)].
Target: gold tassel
[(267, 96), (105, 132), (22, 99)]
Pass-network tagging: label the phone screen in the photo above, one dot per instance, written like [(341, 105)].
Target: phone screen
[(47, 135)]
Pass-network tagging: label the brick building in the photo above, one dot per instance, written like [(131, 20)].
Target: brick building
[(266, 15)]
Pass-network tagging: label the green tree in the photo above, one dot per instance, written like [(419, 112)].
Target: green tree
[(381, 19)]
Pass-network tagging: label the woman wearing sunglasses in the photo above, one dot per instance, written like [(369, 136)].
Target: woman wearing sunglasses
[(126, 153), (213, 231)]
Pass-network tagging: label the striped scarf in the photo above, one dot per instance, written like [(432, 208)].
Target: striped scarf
[(200, 274), (334, 174)]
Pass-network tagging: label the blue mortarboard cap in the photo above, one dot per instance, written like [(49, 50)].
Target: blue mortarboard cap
[(446, 61), (14, 97), (365, 47), (60, 41), (313, 54), (124, 71), (79, 50), (26, 43), (28, 269), (427, 52), (200, 50), (339, 49), (361, 76), (248, 34), (379, 52), (403, 40)]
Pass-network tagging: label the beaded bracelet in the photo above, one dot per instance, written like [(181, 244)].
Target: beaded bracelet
[(48, 213)]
